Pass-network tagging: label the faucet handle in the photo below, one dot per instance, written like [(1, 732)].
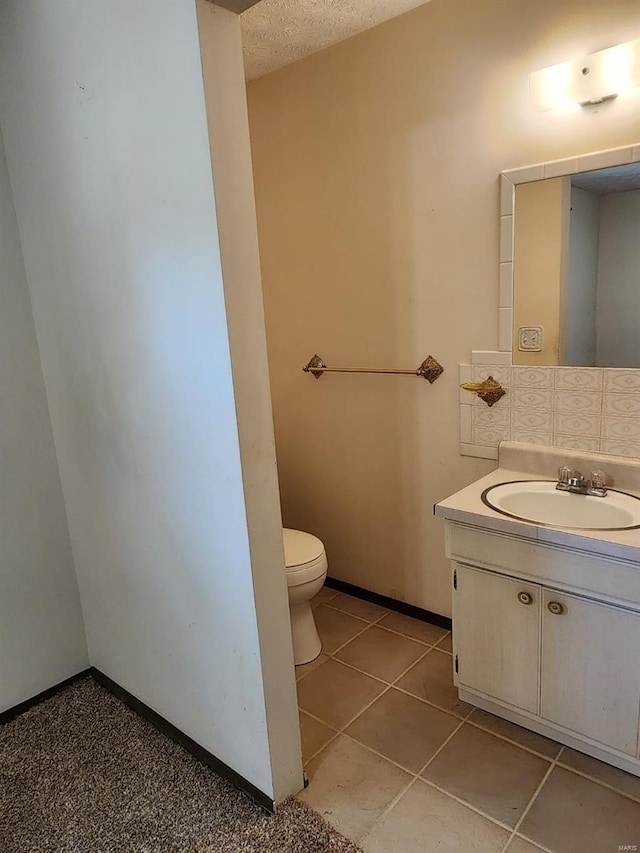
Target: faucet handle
[(565, 472), (597, 479)]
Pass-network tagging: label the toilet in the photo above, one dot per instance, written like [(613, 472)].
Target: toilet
[(306, 566)]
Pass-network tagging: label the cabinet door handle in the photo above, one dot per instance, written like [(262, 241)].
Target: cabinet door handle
[(525, 598), (556, 608)]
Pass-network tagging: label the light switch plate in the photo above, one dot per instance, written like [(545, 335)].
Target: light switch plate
[(530, 338)]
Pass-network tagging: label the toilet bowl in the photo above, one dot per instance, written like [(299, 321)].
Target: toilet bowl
[(306, 567)]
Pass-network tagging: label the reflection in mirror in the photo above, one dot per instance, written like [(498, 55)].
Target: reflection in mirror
[(577, 270)]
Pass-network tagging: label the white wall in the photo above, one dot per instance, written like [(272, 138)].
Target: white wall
[(102, 106), (226, 99), (578, 309), (42, 638), (618, 299)]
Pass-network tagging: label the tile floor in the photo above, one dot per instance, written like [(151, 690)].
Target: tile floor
[(399, 764)]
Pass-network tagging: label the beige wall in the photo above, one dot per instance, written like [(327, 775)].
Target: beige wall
[(540, 264), (376, 165)]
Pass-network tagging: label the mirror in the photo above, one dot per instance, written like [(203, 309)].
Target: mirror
[(576, 269)]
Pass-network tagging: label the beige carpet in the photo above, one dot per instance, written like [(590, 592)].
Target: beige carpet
[(81, 773)]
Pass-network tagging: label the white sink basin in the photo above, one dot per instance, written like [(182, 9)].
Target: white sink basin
[(539, 501)]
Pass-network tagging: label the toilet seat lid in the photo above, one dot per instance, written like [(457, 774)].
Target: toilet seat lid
[(300, 548)]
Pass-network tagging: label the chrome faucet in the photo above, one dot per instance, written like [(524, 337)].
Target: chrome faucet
[(570, 480)]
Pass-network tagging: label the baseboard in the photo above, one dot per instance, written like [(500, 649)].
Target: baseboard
[(12, 713), (259, 797), (390, 603)]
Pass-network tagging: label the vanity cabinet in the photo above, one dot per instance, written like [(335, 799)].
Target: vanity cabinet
[(569, 660), (497, 621), (591, 669)]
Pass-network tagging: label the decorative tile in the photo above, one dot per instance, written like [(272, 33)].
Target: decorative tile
[(578, 378), (618, 380), (489, 425), (530, 420), (544, 438), (532, 398), (626, 405), (578, 401), (532, 377), (465, 423), (490, 437), (619, 448), (500, 372), (627, 429), (490, 416), (576, 442), (572, 424)]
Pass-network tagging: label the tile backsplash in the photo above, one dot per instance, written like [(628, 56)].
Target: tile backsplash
[(594, 409)]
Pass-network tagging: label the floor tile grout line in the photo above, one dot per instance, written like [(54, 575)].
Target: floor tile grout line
[(377, 621), (388, 687), (394, 802), (346, 643), (353, 615), (467, 804), (534, 797), (377, 677), (418, 777), (514, 742), (553, 761), (441, 747), (601, 782), (396, 799), (433, 704)]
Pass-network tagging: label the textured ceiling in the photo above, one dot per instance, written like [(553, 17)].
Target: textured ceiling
[(277, 32), (617, 179)]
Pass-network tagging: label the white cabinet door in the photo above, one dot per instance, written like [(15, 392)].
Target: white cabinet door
[(591, 669), (497, 636)]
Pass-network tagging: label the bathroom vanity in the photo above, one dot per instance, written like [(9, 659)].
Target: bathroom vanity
[(546, 619)]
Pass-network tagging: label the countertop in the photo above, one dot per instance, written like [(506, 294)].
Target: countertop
[(466, 506)]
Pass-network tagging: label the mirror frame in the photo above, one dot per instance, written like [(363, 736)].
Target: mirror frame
[(508, 182)]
